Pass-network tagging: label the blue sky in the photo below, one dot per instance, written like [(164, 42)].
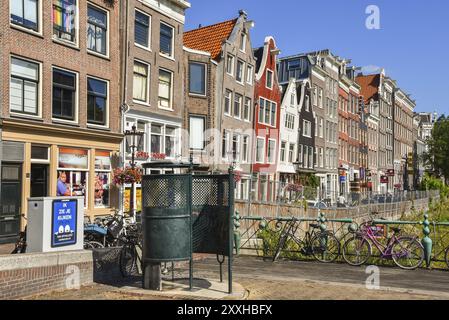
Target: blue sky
[(412, 44)]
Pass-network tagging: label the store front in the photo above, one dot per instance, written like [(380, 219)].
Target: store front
[(57, 161)]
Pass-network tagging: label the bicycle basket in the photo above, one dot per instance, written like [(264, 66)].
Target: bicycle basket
[(95, 229), (115, 227)]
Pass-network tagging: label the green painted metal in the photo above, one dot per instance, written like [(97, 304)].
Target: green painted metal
[(322, 221), (237, 235), (426, 241)]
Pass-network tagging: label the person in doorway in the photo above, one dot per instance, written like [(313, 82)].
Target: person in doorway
[(62, 189)]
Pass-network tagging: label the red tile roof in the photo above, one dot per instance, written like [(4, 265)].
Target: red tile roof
[(369, 86), (210, 38)]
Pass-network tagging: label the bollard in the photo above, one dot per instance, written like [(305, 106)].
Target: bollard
[(426, 241), (237, 235)]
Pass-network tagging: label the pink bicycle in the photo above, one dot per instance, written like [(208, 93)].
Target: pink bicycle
[(407, 252)]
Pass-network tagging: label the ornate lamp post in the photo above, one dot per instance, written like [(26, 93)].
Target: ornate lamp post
[(133, 140)]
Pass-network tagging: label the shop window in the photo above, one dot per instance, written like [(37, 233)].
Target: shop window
[(73, 167), (102, 178)]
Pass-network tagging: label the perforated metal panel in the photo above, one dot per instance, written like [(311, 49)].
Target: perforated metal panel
[(165, 191)]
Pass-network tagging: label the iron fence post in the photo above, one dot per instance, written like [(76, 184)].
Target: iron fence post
[(427, 241)]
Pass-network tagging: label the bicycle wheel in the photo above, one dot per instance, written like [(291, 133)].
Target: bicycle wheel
[(408, 253), (92, 245), (325, 247), (356, 251), (128, 259)]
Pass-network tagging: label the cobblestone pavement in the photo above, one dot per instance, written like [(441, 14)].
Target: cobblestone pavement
[(298, 281)]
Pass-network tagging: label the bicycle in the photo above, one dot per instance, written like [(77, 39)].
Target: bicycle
[(406, 251), (131, 254), (322, 245), (21, 243)]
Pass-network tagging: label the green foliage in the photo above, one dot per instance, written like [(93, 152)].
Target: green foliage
[(438, 155), (431, 183)]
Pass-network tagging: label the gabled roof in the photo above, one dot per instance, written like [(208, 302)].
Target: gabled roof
[(210, 38), (369, 86), (258, 54)]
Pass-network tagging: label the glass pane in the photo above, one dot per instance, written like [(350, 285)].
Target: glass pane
[(155, 144), (170, 147), (16, 94), (38, 152), (30, 97), (140, 88), (97, 16), (197, 78), (97, 86), (102, 189), (196, 133), (155, 128), (24, 69), (30, 12), (64, 78), (16, 8), (141, 34), (166, 39)]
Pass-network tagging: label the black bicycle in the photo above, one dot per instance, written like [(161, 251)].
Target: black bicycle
[(322, 245), (21, 243), (131, 255)]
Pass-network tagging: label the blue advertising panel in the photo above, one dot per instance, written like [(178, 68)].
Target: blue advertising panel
[(64, 215)]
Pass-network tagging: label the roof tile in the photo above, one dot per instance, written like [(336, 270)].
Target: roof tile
[(369, 86), (210, 38)]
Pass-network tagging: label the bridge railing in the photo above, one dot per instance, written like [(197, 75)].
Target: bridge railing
[(258, 235)]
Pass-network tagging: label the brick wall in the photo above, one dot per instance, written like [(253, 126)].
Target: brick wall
[(28, 274)]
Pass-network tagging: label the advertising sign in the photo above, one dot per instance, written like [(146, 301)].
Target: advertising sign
[(383, 179), (73, 158), (127, 197), (390, 172), (64, 215), (102, 160)]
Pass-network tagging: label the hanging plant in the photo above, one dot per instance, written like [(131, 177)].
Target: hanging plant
[(127, 175), (293, 187)]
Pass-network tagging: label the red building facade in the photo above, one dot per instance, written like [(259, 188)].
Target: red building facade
[(267, 98)]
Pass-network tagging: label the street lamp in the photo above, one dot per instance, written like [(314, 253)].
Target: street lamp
[(133, 140)]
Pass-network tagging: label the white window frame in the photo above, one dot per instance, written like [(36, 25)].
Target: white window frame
[(75, 44), (205, 79), (194, 116), (39, 89), (237, 95), (148, 101), (269, 71), (237, 71), (307, 134), (172, 55), (247, 105), (273, 156), (231, 102), (39, 20), (231, 67), (108, 30), (243, 40), (262, 121), (263, 149), (108, 98), (77, 93), (170, 108), (249, 74), (245, 153), (149, 30), (225, 137)]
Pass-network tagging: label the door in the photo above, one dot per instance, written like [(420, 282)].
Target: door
[(10, 204), (39, 180)]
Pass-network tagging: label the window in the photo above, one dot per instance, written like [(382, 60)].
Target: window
[(142, 29), (289, 121), (166, 41), (282, 152), (247, 109), (245, 148), (260, 150), (102, 178), (271, 150), (307, 129), (315, 96), (156, 138), (140, 82), (224, 144), (170, 138), (165, 80), (97, 95), (307, 103), (269, 83), (64, 20), (230, 65), (197, 79), (239, 74), (97, 22), (64, 93), (237, 105), (236, 147), (228, 99), (320, 97), (24, 86), (291, 152), (24, 13), (243, 42), (300, 155), (196, 133), (310, 157), (249, 74), (267, 112)]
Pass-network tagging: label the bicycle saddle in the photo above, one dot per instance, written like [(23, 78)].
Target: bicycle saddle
[(396, 229), (314, 225)]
